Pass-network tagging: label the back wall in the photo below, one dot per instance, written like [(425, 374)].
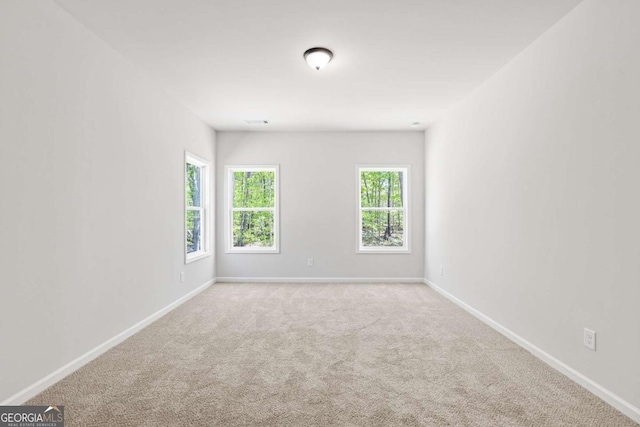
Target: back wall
[(318, 202)]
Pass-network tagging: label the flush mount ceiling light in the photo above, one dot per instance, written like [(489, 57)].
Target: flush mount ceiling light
[(318, 57)]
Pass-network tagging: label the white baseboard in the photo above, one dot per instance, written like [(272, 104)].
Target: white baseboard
[(46, 382), (612, 399), (319, 279)]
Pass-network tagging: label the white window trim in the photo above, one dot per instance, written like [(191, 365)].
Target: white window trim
[(406, 248), (207, 223), (228, 208)]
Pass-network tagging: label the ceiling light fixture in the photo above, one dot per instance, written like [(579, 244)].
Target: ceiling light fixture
[(415, 124), (318, 57)]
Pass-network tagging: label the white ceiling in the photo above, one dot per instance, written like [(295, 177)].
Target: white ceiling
[(395, 62)]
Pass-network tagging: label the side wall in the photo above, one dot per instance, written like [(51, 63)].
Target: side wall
[(318, 202), (533, 204), (91, 176)]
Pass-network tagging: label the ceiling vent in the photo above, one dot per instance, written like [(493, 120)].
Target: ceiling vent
[(257, 122)]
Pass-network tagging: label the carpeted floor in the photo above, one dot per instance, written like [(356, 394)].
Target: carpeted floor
[(322, 355)]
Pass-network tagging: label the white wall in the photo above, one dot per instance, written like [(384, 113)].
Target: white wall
[(91, 177), (533, 205), (318, 202)]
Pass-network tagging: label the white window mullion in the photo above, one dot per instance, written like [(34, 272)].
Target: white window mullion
[(253, 209), (383, 209)]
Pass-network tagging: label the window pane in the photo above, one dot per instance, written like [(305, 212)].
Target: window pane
[(194, 231), (381, 189), (194, 185), (253, 229), (381, 228), (254, 189)]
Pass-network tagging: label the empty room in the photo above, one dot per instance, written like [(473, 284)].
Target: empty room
[(327, 213)]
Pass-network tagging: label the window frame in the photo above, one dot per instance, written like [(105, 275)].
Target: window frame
[(229, 209), (406, 196), (204, 209)]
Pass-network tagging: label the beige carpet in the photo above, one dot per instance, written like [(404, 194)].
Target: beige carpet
[(322, 355)]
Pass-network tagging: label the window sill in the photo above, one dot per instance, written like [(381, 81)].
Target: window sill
[(384, 251), (192, 258), (252, 251)]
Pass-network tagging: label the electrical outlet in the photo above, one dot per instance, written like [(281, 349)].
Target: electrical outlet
[(309, 262), (590, 339), (442, 270), (182, 277)]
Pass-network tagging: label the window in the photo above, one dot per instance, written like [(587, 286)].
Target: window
[(197, 222), (252, 209), (383, 214)]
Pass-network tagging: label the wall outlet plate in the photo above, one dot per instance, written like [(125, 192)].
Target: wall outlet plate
[(309, 262), (590, 339)]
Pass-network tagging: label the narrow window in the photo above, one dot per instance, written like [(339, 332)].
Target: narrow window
[(383, 214), (197, 222), (252, 209)]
